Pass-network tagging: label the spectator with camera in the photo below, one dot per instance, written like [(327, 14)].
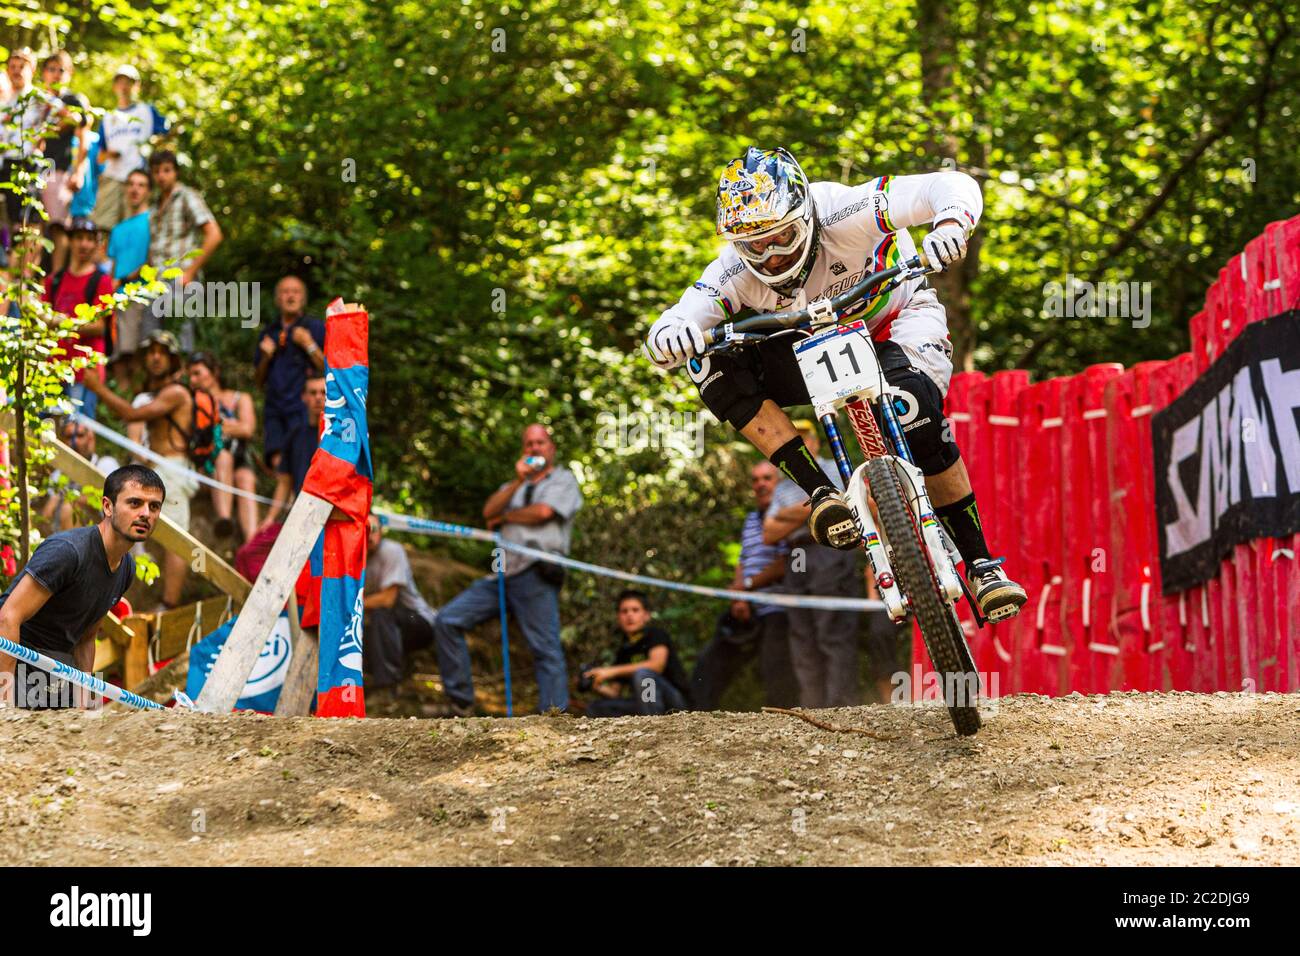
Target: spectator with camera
[(647, 677), (536, 509)]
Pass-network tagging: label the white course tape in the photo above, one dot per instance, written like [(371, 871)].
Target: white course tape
[(149, 454), (59, 669), (407, 523), (399, 522)]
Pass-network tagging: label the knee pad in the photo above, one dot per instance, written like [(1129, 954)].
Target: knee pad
[(919, 407), (728, 388)]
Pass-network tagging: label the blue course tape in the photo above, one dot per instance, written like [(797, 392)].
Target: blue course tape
[(400, 522), (423, 525), (59, 669)]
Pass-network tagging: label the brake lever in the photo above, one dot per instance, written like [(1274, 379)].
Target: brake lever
[(735, 338)]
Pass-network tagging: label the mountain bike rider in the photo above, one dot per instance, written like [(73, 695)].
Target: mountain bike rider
[(790, 242)]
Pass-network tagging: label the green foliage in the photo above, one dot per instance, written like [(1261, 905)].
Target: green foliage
[(516, 190)]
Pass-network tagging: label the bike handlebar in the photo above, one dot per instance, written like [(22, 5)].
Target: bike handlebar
[(776, 321)]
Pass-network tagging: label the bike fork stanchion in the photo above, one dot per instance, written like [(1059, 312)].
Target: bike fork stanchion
[(827, 418), (505, 632), (894, 431)]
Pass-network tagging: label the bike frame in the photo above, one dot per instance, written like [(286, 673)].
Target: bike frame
[(863, 405)]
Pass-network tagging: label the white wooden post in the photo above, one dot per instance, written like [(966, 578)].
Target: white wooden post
[(270, 591)]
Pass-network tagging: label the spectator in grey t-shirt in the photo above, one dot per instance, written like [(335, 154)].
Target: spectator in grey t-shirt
[(397, 618), (72, 580), (535, 509)]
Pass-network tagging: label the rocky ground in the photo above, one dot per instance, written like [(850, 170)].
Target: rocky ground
[(1124, 779)]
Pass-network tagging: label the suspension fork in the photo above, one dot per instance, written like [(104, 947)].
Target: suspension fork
[(869, 435), (856, 495)]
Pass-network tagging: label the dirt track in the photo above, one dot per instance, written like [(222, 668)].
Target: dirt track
[(1125, 779)]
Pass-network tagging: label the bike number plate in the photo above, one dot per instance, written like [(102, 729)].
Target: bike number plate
[(838, 363)]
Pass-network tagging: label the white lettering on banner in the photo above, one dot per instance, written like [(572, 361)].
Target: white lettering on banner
[(1236, 447), (1283, 391), (352, 637), (1193, 524)]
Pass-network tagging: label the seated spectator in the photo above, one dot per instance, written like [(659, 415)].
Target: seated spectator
[(128, 252), (397, 619), (287, 352), (169, 415), (300, 446), (645, 665), (234, 466), (180, 223), (122, 133), (81, 282), (67, 160), (81, 440)]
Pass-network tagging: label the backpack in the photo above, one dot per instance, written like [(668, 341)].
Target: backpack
[(204, 440), (92, 298)]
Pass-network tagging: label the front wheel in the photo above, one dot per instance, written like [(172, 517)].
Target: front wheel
[(915, 575)]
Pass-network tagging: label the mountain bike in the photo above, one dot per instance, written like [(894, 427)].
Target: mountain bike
[(912, 559)]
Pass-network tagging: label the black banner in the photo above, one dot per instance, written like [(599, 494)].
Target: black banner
[(1227, 454)]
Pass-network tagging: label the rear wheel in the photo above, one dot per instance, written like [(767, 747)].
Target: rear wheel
[(912, 569)]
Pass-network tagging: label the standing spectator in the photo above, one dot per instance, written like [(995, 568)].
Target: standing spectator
[(397, 618), (83, 200), (823, 644), (81, 282), (747, 630), (286, 353), (291, 473), (645, 663), (181, 223), (123, 132), (81, 440), (299, 448), (234, 467), (65, 153), (169, 415), (536, 509), (24, 119), (128, 252)]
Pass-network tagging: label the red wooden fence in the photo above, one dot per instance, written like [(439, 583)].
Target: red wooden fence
[(1063, 473)]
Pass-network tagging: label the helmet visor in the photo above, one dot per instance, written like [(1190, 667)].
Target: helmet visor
[(769, 251)]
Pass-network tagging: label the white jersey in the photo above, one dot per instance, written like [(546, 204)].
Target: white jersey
[(862, 229)]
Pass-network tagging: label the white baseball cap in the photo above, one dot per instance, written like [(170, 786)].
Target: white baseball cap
[(130, 72)]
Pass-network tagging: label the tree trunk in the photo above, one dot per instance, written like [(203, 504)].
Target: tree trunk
[(20, 469), (938, 43)]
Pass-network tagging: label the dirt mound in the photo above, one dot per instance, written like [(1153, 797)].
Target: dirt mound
[(1128, 778)]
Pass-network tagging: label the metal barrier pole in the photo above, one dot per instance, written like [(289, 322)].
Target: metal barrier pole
[(500, 562)]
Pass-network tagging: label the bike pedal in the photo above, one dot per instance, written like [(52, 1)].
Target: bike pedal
[(1003, 613), (843, 535)]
